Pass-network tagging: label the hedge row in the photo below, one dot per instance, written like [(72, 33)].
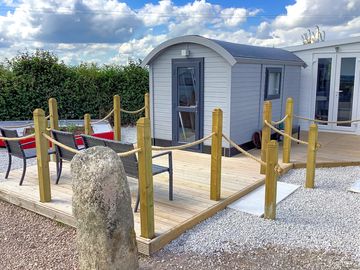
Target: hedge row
[(28, 80)]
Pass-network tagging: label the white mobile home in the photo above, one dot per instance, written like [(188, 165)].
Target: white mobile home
[(330, 86), (192, 75)]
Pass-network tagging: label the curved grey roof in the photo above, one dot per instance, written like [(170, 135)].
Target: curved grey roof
[(257, 52), (232, 52)]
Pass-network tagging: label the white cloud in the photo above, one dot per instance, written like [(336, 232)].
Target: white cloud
[(71, 21), (153, 15), (109, 31), (307, 13)]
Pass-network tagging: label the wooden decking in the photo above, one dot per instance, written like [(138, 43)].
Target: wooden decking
[(337, 149), (191, 204)]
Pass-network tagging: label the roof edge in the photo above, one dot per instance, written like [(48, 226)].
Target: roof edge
[(189, 39), (324, 44)]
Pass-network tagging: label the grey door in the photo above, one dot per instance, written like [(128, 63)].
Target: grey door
[(187, 93)]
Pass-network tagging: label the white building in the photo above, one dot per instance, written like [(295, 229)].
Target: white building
[(192, 75), (330, 84)]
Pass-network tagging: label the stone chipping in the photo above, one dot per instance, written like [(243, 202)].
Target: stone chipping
[(325, 219)]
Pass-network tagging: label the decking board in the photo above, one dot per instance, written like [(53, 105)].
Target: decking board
[(191, 204)]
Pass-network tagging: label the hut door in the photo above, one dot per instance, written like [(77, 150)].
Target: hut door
[(186, 92)]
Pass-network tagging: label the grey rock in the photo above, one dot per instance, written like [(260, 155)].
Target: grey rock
[(102, 208)]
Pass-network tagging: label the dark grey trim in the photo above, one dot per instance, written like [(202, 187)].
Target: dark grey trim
[(267, 71), (198, 63)]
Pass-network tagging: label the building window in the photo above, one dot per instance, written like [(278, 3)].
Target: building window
[(272, 83)]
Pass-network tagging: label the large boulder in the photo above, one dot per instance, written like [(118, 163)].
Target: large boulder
[(102, 208)]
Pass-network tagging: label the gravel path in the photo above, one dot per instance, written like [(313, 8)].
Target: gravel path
[(315, 229), (30, 241), (17, 163), (324, 220)]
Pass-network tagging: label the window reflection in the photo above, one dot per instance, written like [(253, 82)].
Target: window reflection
[(186, 86), (346, 90), (323, 89)]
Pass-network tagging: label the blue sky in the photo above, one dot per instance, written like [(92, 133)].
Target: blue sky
[(114, 31)]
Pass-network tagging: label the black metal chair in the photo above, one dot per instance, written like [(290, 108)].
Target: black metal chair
[(130, 162), (16, 149), (68, 139)]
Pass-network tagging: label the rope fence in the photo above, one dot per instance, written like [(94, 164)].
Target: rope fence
[(183, 146), (278, 169), (241, 150), (50, 139), (327, 122), (133, 112), (18, 138), (280, 121), (129, 153), (284, 134), (103, 119)]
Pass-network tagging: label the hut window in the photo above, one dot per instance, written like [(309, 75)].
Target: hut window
[(272, 83)]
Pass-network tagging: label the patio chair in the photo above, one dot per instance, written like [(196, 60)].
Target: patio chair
[(68, 139), (130, 163), (15, 148)]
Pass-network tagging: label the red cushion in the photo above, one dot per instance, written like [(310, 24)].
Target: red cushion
[(105, 135)]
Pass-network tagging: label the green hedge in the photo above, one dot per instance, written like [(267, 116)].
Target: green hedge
[(28, 80)]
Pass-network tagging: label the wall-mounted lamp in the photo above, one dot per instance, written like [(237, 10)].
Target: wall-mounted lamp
[(185, 53), (337, 49)]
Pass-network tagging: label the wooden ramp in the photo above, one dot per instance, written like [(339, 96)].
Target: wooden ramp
[(190, 206)]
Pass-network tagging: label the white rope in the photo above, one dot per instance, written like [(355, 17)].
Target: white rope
[(72, 150), (103, 119), (327, 122), (246, 153), (284, 134), (183, 146), (129, 153), (18, 138), (133, 112), (280, 121)]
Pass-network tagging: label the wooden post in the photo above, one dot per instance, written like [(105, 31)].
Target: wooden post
[(42, 159), (266, 133), (311, 156), (145, 178), (288, 130), (117, 118), (271, 180), (147, 105), (216, 147), (87, 124), (54, 120)]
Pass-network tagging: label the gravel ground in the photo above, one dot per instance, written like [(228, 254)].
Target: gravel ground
[(315, 229), (16, 162), (324, 221)]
